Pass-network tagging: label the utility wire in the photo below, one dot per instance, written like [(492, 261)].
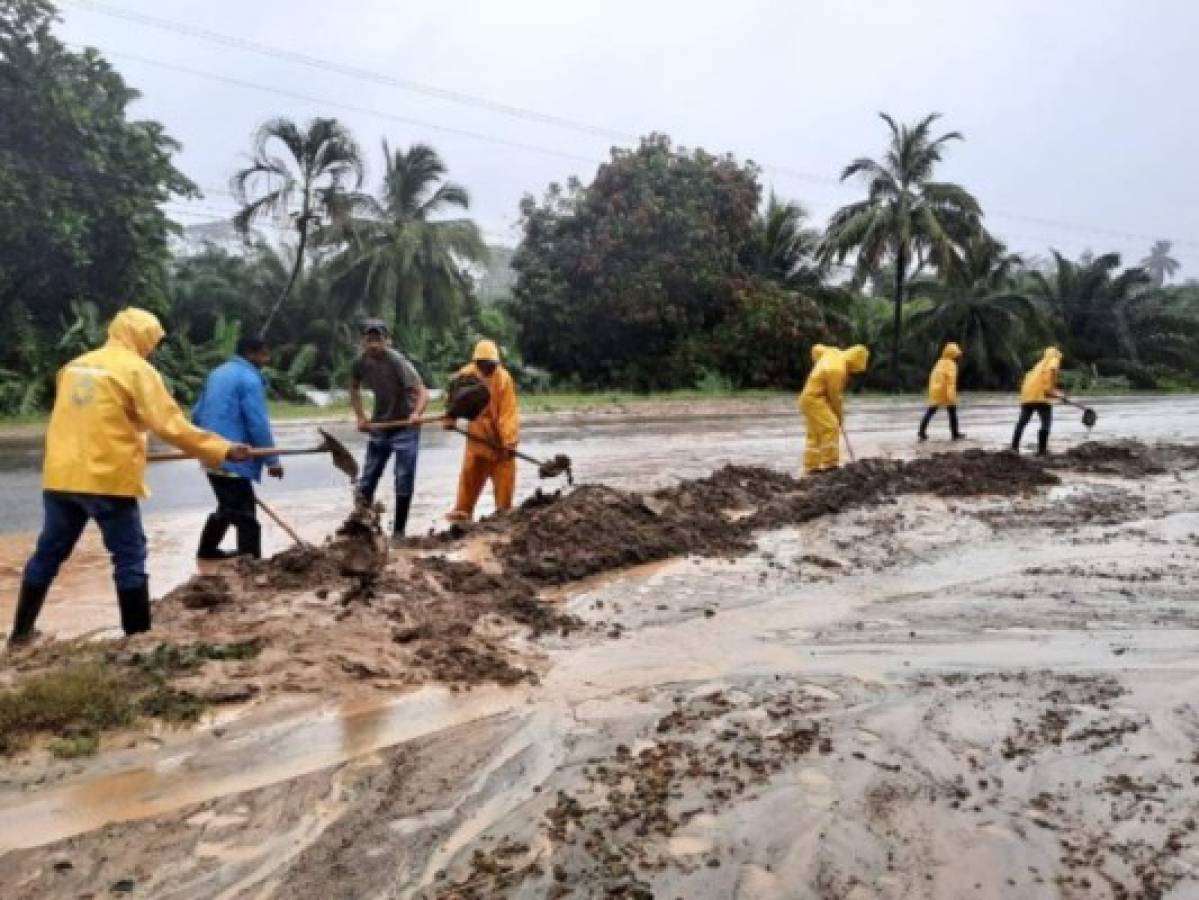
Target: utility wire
[(462, 98)]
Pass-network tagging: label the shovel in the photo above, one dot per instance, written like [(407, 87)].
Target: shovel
[(549, 468), (1089, 416), (342, 458), (467, 402)]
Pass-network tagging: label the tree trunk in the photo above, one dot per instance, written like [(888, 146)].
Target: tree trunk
[(295, 273), (901, 265)]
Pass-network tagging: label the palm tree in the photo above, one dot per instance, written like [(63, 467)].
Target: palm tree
[(399, 256), (1094, 307), (310, 178), (785, 248), (906, 217), (985, 307), (1159, 263)]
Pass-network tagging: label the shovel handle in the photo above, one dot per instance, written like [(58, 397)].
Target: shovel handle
[(255, 453), (404, 423), (494, 446), (279, 521)]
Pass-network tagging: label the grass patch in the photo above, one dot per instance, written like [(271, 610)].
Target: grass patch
[(169, 659), (76, 703), (79, 700)]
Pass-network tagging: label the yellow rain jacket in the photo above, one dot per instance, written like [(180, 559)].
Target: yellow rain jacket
[(499, 423), (943, 382), (1041, 379), (821, 402), (104, 403)]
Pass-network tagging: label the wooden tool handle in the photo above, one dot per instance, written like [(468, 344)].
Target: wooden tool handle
[(255, 453), (404, 423), (494, 446)]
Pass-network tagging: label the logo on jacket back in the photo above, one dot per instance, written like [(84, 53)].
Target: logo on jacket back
[(83, 385)]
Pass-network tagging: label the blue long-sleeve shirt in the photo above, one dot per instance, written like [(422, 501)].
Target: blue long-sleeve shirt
[(233, 404)]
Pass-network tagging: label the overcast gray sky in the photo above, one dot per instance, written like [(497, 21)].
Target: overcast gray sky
[(1080, 116)]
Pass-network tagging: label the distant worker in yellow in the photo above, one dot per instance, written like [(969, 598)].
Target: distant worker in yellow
[(943, 391), (497, 428), (821, 402), (1038, 388)]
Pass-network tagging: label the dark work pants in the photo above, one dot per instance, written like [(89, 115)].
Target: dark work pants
[(951, 411), (1045, 411), (235, 508), (66, 514)]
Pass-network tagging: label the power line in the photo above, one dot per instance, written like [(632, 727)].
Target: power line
[(313, 62), (462, 98)]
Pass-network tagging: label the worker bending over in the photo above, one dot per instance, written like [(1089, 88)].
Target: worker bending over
[(95, 462), (497, 430), (943, 391), (821, 403), (1038, 388)]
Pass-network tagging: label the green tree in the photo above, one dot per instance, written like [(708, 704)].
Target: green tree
[(616, 279), (1159, 263), (81, 190), (400, 257), (1097, 310), (322, 163), (986, 307), (907, 218), (785, 246)]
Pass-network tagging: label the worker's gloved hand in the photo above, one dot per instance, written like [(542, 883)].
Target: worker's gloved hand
[(238, 452), (363, 425), (275, 471), (509, 453)]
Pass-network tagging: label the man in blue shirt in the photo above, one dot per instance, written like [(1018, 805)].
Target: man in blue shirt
[(233, 404)]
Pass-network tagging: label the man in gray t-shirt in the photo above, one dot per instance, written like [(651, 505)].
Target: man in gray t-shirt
[(400, 396)]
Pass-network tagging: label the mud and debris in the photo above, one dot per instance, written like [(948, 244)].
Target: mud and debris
[(869, 683)]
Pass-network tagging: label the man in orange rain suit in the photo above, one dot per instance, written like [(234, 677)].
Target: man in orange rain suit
[(498, 425), (943, 391), (821, 403)]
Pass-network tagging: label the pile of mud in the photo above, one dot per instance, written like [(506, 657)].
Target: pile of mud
[(596, 529), (1126, 459)]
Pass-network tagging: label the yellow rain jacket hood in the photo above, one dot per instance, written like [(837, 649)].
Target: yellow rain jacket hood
[(486, 351), (105, 401), (943, 382), (500, 420), (818, 350), (1041, 380)]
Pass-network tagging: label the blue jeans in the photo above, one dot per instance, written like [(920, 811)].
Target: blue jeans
[(405, 444), (66, 515)]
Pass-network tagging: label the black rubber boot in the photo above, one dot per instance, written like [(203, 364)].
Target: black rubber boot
[(403, 504), (210, 540), (135, 609), (1043, 442), (29, 607), (249, 540)]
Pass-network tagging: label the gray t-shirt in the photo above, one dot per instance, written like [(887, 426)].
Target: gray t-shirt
[(392, 379)]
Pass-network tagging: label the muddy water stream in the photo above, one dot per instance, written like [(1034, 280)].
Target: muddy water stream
[(857, 615)]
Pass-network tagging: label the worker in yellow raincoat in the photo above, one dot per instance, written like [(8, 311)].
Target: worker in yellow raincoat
[(498, 428), (943, 391), (821, 402), (1038, 388), (95, 461)]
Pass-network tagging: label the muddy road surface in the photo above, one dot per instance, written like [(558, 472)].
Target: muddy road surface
[(874, 684)]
